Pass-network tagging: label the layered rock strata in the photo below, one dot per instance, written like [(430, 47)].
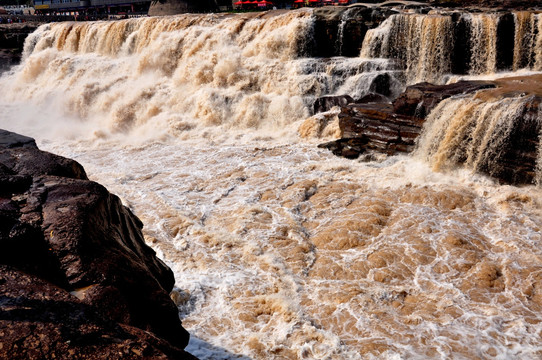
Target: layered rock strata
[(386, 127), (509, 137), (77, 279)]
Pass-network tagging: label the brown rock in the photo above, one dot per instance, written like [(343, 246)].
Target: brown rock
[(75, 236), (381, 128), (418, 100), (39, 320)]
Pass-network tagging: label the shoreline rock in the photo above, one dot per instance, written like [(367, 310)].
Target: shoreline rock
[(75, 271)]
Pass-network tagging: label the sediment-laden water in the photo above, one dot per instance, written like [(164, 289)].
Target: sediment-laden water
[(280, 249)]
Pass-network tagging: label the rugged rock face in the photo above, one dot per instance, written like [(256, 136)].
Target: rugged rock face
[(392, 128), (376, 127), (12, 42), (339, 31), (418, 100), (76, 275)]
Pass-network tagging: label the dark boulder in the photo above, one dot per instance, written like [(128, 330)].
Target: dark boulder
[(88, 252)]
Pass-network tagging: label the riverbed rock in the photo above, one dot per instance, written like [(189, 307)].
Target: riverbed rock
[(76, 274), (380, 127), (418, 100), (12, 39), (339, 30), (393, 128)]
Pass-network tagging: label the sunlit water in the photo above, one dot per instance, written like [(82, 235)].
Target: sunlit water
[(280, 249)]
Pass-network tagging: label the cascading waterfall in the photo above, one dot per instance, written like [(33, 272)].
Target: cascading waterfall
[(231, 68), (528, 41), (345, 16), (483, 43), (421, 43), (281, 250), (478, 132), (235, 71), (523, 39), (538, 176), (538, 44), (429, 46)]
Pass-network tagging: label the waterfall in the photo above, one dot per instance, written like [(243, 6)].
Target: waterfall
[(538, 44), (483, 43), (483, 134), (345, 17), (420, 43), (528, 41), (279, 248), (242, 71), (430, 46), (523, 39)]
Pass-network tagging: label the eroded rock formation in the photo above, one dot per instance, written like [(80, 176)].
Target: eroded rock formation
[(339, 31), (12, 39), (76, 274), (491, 127)]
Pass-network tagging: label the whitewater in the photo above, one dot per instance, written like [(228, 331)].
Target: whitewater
[(203, 125)]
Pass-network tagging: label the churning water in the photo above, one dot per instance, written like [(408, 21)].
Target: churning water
[(281, 250)]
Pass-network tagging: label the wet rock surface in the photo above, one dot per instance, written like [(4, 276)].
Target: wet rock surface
[(393, 128), (339, 31), (76, 275), (12, 39), (375, 126), (418, 100)]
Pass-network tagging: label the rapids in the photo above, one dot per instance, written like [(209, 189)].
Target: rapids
[(281, 250)]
